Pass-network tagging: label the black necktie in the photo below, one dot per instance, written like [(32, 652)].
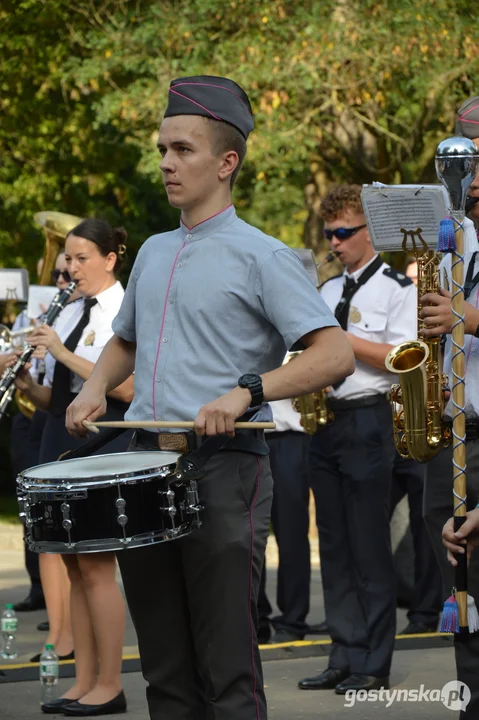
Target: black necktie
[(350, 288), (61, 396), (342, 308)]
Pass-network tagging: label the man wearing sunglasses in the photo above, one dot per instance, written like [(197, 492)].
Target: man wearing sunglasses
[(352, 457)]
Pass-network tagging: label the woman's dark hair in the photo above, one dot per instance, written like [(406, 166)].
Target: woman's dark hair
[(106, 238)]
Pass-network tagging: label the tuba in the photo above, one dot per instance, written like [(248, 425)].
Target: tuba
[(56, 226), (313, 408), (417, 401)]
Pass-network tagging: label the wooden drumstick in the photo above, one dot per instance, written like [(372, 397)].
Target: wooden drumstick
[(155, 424)]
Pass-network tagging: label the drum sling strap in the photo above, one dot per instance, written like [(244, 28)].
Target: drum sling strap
[(192, 464), (96, 443)]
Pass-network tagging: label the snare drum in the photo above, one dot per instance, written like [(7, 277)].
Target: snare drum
[(106, 502)]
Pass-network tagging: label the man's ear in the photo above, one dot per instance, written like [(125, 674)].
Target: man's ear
[(228, 165)]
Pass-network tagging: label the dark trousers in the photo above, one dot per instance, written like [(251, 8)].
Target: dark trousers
[(438, 504), (193, 600), (289, 459), (26, 437), (351, 467), (426, 598)]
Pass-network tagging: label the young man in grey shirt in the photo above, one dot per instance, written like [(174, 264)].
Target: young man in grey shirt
[(209, 312)]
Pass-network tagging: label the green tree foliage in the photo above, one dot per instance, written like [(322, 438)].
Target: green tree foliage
[(343, 90), (55, 152)]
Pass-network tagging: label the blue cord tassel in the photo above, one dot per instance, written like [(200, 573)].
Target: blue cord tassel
[(450, 616), (446, 241)]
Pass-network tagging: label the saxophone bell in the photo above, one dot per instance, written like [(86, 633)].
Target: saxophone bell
[(418, 401)]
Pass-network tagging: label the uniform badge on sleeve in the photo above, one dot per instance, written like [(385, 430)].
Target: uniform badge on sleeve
[(90, 338), (354, 315)]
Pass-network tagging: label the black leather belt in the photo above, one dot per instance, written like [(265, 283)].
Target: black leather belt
[(366, 401), (184, 442), (472, 429)]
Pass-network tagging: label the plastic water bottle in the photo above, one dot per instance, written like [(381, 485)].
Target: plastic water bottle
[(9, 633), (48, 674)]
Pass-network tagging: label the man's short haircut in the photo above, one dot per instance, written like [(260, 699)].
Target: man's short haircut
[(226, 137), (339, 199)]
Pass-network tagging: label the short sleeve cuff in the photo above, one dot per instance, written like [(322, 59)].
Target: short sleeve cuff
[(291, 339), (123, 332)]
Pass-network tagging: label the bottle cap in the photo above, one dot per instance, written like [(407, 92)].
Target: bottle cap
[(9, 606), (49, 647)]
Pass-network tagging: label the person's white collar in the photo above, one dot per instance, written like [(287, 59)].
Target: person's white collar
[(106, 296), (357, 273)]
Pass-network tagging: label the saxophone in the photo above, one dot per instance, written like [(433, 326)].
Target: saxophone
[(417, 401), (313, 408)]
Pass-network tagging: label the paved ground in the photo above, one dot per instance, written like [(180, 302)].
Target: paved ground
[(433, 668), (411, 668)]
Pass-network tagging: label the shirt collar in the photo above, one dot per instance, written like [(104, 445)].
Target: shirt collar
[(104, 298), (357, 273), (209, 226)]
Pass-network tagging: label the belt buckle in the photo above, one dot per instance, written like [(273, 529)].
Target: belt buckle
[(177, 442)]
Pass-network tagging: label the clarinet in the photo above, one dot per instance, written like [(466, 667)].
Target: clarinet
[(7, 380)]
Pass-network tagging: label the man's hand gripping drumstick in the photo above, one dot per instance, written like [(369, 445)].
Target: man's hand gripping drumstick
[(327, 359)]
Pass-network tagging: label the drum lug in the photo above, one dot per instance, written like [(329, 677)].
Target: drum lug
[(24, 513), (120, 505), (66, 522), (171, 509), (192, 499)]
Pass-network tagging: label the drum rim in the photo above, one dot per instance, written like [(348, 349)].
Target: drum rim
[(152, 537), (24, 482)]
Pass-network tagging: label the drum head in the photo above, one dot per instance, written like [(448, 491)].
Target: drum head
[(115, 466)]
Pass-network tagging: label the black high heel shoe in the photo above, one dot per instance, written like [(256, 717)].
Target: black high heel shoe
[(78, 709)]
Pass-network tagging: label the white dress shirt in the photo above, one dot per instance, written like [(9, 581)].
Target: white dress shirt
[(94, 337), (471, 346), (382, 311), (285, 416)]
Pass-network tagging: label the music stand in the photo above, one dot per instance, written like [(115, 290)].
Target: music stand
[(14, 285)]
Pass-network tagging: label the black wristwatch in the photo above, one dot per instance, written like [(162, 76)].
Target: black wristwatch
[(476, 334), (255, 386)]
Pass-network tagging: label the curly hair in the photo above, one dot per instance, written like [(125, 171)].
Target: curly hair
[(339, 199)]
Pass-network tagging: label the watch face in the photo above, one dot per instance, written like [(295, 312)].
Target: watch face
[(248, 379)]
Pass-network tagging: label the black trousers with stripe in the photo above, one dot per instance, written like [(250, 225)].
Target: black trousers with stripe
[(193, 600)]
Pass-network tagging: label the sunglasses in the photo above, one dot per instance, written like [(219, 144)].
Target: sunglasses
[(56, 274), (343, 233)]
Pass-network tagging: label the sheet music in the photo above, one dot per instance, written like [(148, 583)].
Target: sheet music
[(388, 208), (39, 298)]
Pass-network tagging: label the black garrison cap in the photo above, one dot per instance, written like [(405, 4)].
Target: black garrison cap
[(212, 97)]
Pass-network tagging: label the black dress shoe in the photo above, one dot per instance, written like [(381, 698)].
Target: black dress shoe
[(284, 636), (328, 680), (78, 709), (356, 681), (29, 604), (70, 656), (319, 629), (56, 706), (43, 626), (419, 629)]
